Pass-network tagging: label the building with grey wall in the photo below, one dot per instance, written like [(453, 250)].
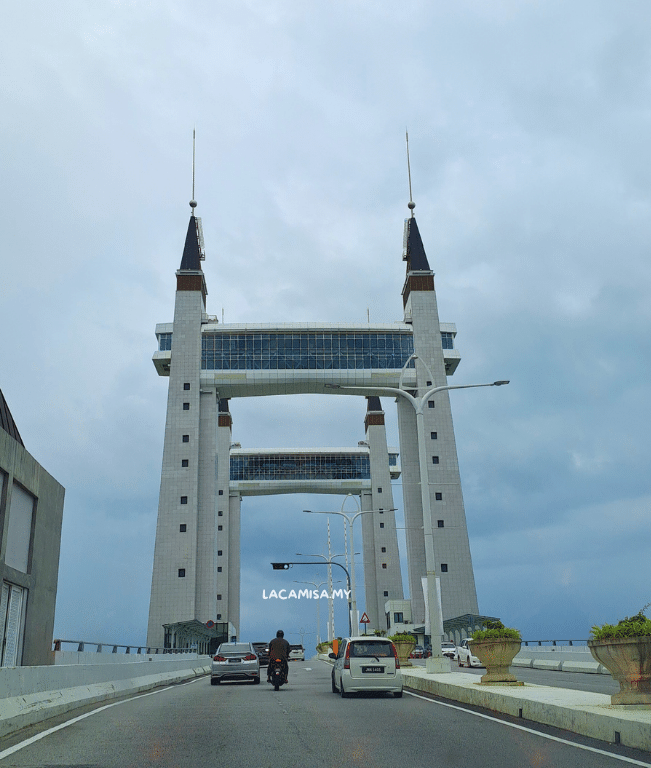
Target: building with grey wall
[(31, 514)]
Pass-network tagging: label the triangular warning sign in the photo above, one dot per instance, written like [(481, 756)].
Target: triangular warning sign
[(365, 619)]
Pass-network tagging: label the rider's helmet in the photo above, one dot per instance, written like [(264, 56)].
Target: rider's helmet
[(280, 633)]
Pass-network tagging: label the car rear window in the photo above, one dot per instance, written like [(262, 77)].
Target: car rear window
[(364, 649), (234, 648)]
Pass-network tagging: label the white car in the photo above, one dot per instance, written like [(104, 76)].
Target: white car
[(465, 657), (296, 653), (366, 664), (449, 649)]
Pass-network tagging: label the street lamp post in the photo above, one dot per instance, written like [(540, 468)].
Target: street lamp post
[(350, 519), (330, 561), (318, 605), (436, 662)]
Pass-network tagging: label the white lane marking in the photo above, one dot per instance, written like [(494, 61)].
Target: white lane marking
[(39, 736), (531, 730)]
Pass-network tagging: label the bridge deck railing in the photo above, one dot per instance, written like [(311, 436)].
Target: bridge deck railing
[(128, 649)]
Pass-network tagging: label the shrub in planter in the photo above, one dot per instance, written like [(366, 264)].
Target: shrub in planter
[(405, 644), (625, 650), (496, 646), (324, 647)]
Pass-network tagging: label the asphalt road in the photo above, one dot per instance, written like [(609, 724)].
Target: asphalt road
[(304, 724)]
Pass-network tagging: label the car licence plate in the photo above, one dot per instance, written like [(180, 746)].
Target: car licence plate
[(376, 670), (234, 661)]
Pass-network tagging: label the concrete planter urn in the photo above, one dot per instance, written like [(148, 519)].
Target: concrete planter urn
[(404, 644), (496, 654), (628, 659)]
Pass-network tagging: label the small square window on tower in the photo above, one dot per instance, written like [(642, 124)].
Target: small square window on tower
[(220, 513), (219, 597), (441, 523), (381, 525), (431, 404), (186, 385), (183, 528), (435, 435), (384, 565), (435, 459), (185, 463), (386, 594), (221, 493), (444, 567), (379, 490), (219, 569), (219, 553), (438, 496), (186, 406), (220, 527), (219, 615), (384, 549), (181, 573), (186, 438), (184, 499)]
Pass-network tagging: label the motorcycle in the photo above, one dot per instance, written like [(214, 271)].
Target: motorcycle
[(276, 673)]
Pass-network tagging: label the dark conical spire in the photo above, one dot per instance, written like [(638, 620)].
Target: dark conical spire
[(373, 403), (192, 251), (414, 252)]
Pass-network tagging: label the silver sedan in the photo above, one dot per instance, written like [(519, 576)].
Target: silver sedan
[(235, 661)]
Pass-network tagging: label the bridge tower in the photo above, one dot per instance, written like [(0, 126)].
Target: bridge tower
[(196, 572), (451, 545)]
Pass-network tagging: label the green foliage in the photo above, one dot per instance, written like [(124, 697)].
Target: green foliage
[(402, 637), (380, 633), (495, 630), (324, 647), (635, 626)]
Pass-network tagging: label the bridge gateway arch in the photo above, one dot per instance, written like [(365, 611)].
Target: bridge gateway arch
[(196, 559)]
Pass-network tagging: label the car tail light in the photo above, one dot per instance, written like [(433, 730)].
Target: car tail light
[(218, 658), (395, 656), (347, 657), (250, 657)]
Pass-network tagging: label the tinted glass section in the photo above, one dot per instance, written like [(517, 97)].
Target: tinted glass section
[(447, 340), (323, 466), (305, 351), (165, 342)]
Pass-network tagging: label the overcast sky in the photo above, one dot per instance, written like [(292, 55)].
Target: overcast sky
[(529, 127)]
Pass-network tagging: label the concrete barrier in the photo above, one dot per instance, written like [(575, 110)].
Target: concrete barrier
[(33, 694), (562, 658), (552, 664)]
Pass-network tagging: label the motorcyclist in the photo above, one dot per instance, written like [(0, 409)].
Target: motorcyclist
[(279, 649)]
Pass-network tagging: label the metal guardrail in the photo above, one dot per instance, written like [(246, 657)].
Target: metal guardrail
[(136, 649)]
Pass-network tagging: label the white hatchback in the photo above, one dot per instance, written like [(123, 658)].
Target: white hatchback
[(366, 664)]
